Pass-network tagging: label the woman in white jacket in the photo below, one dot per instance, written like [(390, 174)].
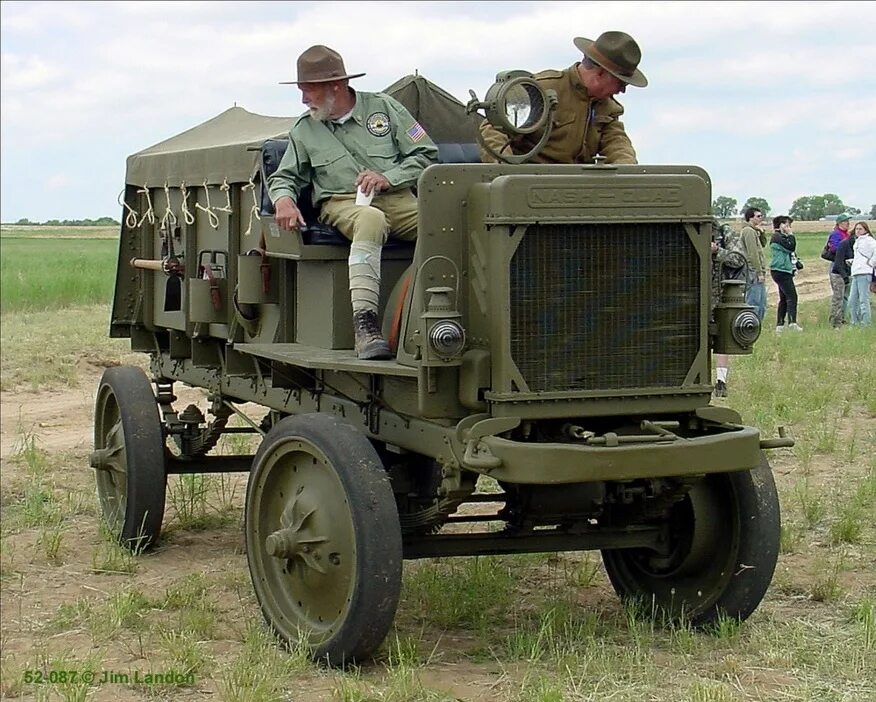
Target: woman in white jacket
[(863, 265)]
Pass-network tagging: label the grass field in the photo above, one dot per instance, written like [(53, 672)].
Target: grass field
[(21, 231), (40, 274), (534, 628)]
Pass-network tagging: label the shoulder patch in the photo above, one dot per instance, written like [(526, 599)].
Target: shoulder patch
[(377, 124)]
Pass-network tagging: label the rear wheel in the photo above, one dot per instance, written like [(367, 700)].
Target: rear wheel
[(128, 457), (323, 540), (724, 546)]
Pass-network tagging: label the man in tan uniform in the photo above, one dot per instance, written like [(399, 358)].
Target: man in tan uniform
[(587, 120)]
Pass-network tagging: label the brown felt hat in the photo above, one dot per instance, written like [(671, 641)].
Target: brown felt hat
[(320, 64), (616, 52)]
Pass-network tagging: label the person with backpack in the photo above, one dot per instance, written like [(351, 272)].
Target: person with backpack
[(838, 283), (841, 280)]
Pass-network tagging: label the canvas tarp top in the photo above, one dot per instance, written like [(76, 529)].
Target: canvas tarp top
[(225, 147), (221, 148), (442, 115)]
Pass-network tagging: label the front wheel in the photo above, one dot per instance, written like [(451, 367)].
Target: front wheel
[(323, 539), (724, 544)]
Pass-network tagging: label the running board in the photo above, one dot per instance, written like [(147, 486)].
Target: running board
[(324, 359)]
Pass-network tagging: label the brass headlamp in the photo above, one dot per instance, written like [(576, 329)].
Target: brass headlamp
[(516, 104)]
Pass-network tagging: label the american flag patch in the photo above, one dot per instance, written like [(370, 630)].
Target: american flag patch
[(416, 133)]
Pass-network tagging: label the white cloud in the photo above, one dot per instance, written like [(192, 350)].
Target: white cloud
[(58, 181), (23, 74)]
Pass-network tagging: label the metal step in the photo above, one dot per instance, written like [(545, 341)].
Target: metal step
[(324, 359)]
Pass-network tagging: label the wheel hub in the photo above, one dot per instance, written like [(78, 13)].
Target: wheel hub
[(296, 539)]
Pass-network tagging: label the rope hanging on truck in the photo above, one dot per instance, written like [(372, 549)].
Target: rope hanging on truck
[(227, 190), (169, 216), (214, 218), (150, 214), (188, 217), (131, 217), (254, 210)]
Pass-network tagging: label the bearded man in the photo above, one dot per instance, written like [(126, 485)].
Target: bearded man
[(351, 141)]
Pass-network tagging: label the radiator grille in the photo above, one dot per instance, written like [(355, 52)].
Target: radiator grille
[(604, 306)]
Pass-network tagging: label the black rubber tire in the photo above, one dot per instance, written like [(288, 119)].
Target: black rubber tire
[(318, 466), (727, 533), (131, 491)]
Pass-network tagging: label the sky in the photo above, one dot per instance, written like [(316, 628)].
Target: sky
[(774, 99)]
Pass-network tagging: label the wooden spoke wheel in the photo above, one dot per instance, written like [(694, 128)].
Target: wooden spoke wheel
[(724, 546), (128, 457), (323, 538)]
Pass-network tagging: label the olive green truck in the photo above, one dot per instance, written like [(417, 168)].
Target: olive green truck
[(550, 390)]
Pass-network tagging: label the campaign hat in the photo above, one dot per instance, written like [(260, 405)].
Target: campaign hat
[(320, 64), (616, 52)]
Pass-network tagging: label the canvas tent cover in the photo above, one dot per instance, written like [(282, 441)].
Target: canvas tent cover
[(226, 146)]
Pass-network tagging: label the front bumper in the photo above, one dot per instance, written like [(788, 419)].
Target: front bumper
[(558, 463)]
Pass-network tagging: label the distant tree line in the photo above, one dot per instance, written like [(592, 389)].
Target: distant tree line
[(99, 222), (806, 208)]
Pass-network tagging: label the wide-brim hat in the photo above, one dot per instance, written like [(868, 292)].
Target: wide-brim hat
[(320, 64), (616, 52)]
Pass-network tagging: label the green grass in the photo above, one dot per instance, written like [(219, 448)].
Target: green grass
[(44, 274), (23, 231), (810, 244)]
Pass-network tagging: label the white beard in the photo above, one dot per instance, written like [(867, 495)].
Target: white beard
[(322, 112)]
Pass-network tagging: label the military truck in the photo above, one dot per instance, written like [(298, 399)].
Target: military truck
[(550, 390)]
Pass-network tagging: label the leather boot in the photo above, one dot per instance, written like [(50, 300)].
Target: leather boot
[(370, 344)]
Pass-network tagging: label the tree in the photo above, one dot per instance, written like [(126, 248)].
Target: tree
[(833, 205), (25, 220), (757, 203), (873, 212), (812, 207), (724, 206)]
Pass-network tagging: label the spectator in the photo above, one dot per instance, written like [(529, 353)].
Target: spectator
[(753, 242), (840, 280), (839, 289), (729, 264), (782, 269), (863, 266)]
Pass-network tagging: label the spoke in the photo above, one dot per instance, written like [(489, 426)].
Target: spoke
[(115, 438)]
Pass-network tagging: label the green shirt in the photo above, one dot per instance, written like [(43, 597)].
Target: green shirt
[(752, 247), (380, 135)]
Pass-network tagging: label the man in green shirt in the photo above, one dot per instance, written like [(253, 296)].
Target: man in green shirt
[(753, 243), (351, 141)]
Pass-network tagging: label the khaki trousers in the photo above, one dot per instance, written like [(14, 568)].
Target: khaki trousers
[(394, 212)]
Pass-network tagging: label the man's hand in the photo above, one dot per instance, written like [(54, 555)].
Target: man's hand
[(287, 214), (369, 181)]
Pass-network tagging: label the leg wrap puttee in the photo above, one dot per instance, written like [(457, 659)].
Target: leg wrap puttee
[(364, 275)]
